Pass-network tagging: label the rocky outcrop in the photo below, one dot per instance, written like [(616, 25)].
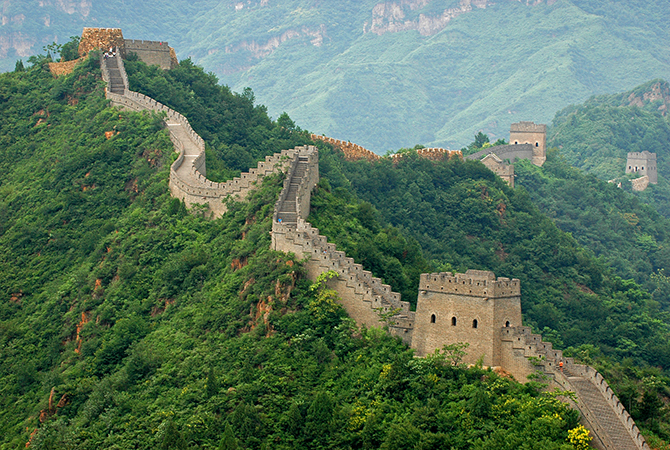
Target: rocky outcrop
[(390, 17)]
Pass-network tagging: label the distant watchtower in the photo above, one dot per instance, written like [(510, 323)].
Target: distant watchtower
[(531, 133), (643, 163), (469, 307)]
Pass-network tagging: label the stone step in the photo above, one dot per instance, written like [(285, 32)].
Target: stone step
[(593, 399)]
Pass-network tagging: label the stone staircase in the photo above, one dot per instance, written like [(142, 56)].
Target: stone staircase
[(363, 296), (188, 180), (602, 413), (116, 82), (288, 208)]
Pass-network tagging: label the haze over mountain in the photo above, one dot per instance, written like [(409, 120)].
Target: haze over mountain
[(386, 75)]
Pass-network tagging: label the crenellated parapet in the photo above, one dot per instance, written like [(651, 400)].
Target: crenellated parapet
[(352, 152), (475, 307), (432, 153), (188, 180), (473, 283)]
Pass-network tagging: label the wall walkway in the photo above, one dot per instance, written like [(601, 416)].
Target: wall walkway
[(365, 297), (188, 181)]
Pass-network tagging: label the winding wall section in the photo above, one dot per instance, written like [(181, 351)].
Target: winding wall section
[(365, 298), (188, 181)]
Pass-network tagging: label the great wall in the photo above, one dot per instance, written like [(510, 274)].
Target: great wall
[(475, 308)]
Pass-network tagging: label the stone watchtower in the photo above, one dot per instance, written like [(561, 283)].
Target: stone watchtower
[(469, 307), (643, 163), (531, 133)]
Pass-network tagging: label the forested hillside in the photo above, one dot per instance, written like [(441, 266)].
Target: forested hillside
[(126, 322), (386, 74)]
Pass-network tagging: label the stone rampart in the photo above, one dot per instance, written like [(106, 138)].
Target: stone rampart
[(190, 184), (432, 153), (528, 127), (524, 353), (363, 296), (490, 301), (63, 68), (511, 152), (352, 152), (100, 38), (151, 52), (640, 184), (473, 283)]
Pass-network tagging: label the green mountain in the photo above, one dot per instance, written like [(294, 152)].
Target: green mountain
[(387, 75), (126, 322), (597, 135)]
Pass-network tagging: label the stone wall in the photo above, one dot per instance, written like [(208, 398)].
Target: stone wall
[(531, 133), (352, 152), (151, 52), (475, 307), (643, 163), (500, 168), (63, 68), (468, 308), (192, 186), (640, 184), (432, 153), (511, 152), (100, 38)]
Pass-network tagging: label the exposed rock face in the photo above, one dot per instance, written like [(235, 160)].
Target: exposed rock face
[(389, 17), (261, 50), (659, 91)]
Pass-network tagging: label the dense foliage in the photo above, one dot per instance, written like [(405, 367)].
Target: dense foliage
[(126, 322), (465, 218), (237, 132)]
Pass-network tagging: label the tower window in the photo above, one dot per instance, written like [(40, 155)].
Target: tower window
[(474, 323), (537, 144), (453, 321), (507, 324), (432, 318), (516, 142)]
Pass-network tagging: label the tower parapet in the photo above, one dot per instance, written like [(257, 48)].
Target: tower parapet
[(473, 283)]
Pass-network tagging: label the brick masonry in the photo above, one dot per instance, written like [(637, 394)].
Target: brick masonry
[(475, 307)]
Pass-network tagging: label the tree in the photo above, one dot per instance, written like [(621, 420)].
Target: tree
[(169, 437), (212, 386), (228, 440)]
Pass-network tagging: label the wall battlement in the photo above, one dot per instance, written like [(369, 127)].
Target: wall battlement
[(643, 163), (511, 152), (352, 152), (188, 180), (475, 307), (473, 283), (528, 127), (140, 44)]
